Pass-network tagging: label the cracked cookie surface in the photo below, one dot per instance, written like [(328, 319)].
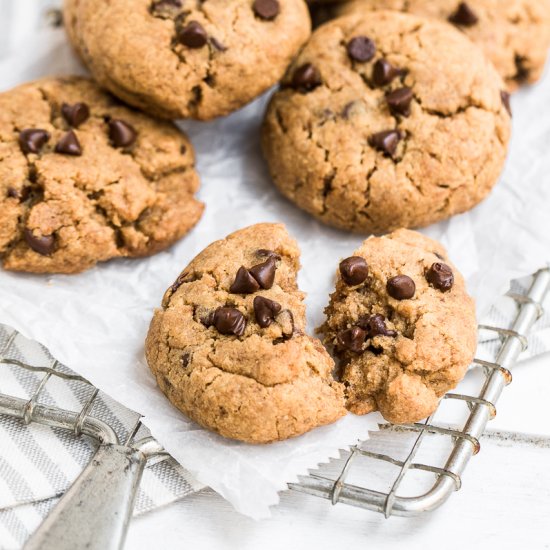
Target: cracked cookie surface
[(228, 347), (84, 179), (387, 120), (514, 34), (187, 58), (402, 325)]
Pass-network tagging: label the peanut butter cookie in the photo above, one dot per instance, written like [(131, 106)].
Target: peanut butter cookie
[(402, 325), (187, 58), (387, 120), (84, 179), (228, 347)]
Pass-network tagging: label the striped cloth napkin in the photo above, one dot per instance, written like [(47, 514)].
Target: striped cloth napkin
[(39, 463)]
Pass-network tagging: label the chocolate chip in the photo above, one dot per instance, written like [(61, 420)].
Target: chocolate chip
[(354, 270), (69, 145), (193, 35), (352, 339), (165, 7), (265, 310), (401, 287), (244, 283), (440, 276), (121, 133), (361, 48), (264, 253), (399, 101), (346, 111), (306, 78), (464, 16), (75, 114), (264, 273), (185, 359), (229, 320), (505, 97), (522, 70), (20, 194), (384, 72), (32, 140), (266, 9), (386, 142), (217, 44), (375, 325), (43, 244)]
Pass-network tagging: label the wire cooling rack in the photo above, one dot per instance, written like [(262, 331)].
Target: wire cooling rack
[(97, 508), (345, 484)]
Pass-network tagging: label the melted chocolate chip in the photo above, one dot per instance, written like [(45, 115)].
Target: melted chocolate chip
[(44, 244), (505, 97), (265, 310), (185, 359), (32, 140), (217, 44), (354, 270), (384, 72), (375, 325), (306, 78), (464, 16), (75, 114), (401, 287), (193, 35), (264, 273), (386, 142), (244, 283), (399, 101), (361, 48), (264, 253), (522, 70), (229, 320), (69, 145), (20, 194), (352, 339), (121, 133), (266, 9), (440, 276)]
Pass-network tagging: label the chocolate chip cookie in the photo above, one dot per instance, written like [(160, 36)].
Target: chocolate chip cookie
[(387, 120), (187, 58), (84, 179), (228, 347), (401, 324), (514, 34)]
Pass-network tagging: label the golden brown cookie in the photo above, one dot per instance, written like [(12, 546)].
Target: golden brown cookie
[(514, 34), (387, 120), (402, 325), (187, 58), (84, 179), (229, 349)]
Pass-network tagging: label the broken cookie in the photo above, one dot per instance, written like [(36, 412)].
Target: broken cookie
[(404, 331), (229, 349)]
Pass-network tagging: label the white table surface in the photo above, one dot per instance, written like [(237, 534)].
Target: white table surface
[(504, 502)]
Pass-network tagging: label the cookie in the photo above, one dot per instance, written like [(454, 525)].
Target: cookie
[(514, 34), (387, 120), (84, 179), (187, 58), (402, 326), (229, 349)]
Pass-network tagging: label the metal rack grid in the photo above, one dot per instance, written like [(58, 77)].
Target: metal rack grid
[(132, 454), (465, 438)]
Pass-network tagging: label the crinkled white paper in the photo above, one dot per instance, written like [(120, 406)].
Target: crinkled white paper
[(96, 322)]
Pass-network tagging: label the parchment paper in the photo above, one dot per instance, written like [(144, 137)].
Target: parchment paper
[(96, 322)]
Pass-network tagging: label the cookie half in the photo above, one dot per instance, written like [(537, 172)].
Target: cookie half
[(187, 58), (229, 349), (84, 179), (402, 325), (387, 120), (514, 34)]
